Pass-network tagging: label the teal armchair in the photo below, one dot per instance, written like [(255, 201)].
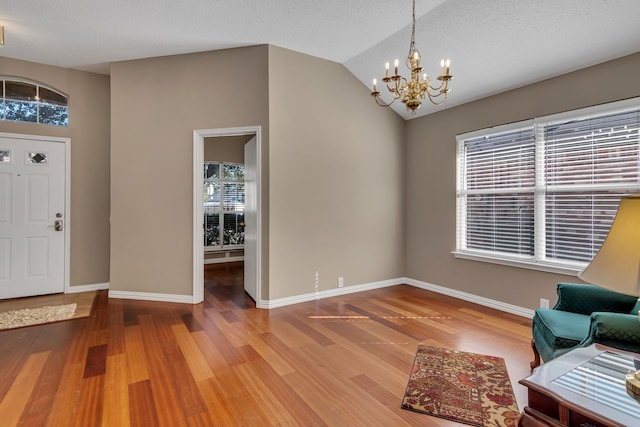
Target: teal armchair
[(583, 315)]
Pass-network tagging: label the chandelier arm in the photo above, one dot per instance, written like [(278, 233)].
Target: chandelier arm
[(396, 89), (393, 90), (442, 88), (380, 101), (435, 101), (439, 88), (437, 93)]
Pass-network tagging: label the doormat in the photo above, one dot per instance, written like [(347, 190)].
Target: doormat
[(36, 316), (465, 387)]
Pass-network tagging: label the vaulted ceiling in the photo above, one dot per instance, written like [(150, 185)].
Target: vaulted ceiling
[(494, 45)]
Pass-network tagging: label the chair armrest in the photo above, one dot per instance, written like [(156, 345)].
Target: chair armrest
[(614, 329), (586, 299)]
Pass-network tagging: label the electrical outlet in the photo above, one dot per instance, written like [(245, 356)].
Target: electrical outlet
[(544, 303), (340, 282)]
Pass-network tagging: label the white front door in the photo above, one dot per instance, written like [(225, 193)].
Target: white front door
[(32, 216)]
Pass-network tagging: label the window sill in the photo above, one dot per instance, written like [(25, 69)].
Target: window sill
[(520, 263), (224, 249)]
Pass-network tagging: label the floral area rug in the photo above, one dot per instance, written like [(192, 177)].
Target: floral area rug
[(465, 387), (35, 316)]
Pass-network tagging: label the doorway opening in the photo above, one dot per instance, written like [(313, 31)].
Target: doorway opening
[(225, 282), (251, 138)]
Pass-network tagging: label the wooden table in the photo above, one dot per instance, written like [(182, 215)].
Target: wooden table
[(582, 388)]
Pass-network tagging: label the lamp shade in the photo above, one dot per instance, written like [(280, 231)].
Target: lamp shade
[(617, 265)]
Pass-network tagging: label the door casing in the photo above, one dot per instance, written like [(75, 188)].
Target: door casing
[(198, 210)]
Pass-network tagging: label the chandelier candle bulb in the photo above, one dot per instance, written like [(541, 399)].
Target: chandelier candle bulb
[(396, 65), (387, 66), (375, 89)]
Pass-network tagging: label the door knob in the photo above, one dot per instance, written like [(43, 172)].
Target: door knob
[(57, 225)]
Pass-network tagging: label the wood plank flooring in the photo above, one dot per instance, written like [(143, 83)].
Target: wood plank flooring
[(342, 361)]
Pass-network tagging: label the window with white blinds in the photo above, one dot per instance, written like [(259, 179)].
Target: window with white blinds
[(545, 192), (223, 196)]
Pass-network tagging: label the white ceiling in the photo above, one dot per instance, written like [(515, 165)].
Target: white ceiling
[(494, 45)]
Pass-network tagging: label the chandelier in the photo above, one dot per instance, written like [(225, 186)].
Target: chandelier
[(414, 90)]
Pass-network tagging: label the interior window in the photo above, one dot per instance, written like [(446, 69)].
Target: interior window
[(223, 196)]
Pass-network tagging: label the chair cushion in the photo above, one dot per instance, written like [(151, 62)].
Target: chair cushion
[(561, 329)]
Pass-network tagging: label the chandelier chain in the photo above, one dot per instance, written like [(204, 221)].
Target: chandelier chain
[(412, 45)]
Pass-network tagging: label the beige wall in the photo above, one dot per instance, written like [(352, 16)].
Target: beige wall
[(156, 105), (336, 170), (225, 148), (331, 181), (89, 133), (431, 174), (333, 176)]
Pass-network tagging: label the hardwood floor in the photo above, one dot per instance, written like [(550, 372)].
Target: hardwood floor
[(342, 361)]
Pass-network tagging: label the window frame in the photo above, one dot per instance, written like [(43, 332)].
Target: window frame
[(220, 211), (538, 261)]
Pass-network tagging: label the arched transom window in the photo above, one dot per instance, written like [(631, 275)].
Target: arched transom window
[(28, 101)]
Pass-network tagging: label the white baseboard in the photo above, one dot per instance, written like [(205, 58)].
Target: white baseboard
[(498, 305), (296, 299), (146, 296), (86, 288), (281, 302)]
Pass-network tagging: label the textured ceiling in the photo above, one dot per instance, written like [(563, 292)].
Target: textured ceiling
[(494, 45)]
